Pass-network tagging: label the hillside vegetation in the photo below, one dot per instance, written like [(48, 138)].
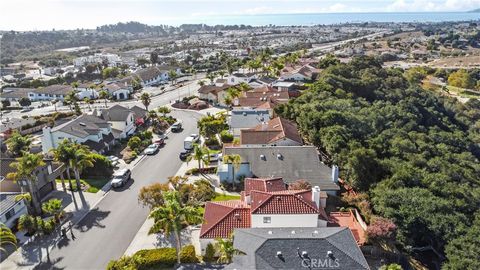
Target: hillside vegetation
[(416, 154)]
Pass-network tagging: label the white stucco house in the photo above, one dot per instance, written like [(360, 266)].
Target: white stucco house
[(11, 209), (122, 120), (86, 91), (119, 91), (264, 203), (89, 130), (237, 78)]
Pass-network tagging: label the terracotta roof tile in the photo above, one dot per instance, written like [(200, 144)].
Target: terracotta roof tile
[(271, 132), (221, 218), (264, 184), (283, 202)]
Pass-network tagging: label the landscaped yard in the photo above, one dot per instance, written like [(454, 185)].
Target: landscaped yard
[(94, 184), (225, 197)]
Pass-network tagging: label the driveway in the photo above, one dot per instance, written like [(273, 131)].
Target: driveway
[(107, 231)]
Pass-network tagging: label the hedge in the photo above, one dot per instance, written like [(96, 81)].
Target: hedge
[(195, 171), (102, 167)]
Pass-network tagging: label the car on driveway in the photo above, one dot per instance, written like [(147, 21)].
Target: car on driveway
[(184, 154), (114, 160), (121, 177), (195, 137), (151, 149)]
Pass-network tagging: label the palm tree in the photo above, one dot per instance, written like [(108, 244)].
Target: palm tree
[(146, 99), (201, 83), (244, 87), (104, 95), (200, 154), (211, 76), (63, 155), (172, 216), (221, 73), (54, 103), (53, 207), (70, 98), (236, 161), (6, 237), (172, 74), (25, 168), (226, 250), (81, 159), (164, 110), (18, 144)]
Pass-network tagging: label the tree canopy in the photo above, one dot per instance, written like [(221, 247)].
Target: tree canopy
[(415, 153)]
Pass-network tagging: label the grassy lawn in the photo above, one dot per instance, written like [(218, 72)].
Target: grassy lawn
[(94, 185), (210, 151), (224, 197)]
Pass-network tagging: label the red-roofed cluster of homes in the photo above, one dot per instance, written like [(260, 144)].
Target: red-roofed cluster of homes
[(264, 203)]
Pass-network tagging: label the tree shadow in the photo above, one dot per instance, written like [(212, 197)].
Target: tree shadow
[(163, 241), (49, 265), (92, 219)]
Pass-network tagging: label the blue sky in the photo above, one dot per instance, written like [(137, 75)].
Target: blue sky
[(72, 14)]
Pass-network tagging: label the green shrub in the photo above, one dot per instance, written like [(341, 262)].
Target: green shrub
[(211, 141), (226, 136), (126, 263), (157, 258), (134, 142), (209, 253), (102, 167), (187, 255)]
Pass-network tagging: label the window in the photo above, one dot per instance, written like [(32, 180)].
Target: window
[(267, 219), (10, 214)]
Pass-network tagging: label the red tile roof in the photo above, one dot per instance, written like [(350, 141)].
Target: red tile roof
[(283, 202), (273, 131), (264, 184), (221, 218)]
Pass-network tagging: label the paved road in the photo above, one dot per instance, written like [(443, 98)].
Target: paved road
[(107, 231)]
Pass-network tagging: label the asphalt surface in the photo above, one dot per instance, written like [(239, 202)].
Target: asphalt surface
[(108, 229)]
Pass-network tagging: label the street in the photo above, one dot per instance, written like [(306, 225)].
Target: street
[(106, 232)]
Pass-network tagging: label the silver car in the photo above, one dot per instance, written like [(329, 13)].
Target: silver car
[(121, 177)]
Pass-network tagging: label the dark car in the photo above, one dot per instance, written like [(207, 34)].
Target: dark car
[(184, 154)]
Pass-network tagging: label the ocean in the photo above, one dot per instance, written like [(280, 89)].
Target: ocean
[(336, 18)]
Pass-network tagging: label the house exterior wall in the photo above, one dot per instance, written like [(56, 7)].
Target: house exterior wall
[(44, 97), (225, 172), (87, 93), (118, 94), (127, 127), (15, 212), (294, 77), (276, 221), (52, 139)]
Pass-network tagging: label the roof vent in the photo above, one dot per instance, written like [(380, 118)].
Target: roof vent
[(270, 232), (304, 254), (315, 232), (279, 198), (329, 253), (244, 113), (279, 254), (82, 124), (279, 156), (293, 232), (262, 157)]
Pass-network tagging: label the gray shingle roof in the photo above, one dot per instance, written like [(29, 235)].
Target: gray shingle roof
[(139, 111), (295, 162), (16, 93), (261, 246), (116, 113), (7, 200), (248, 118), (83, 126), (56, 89)]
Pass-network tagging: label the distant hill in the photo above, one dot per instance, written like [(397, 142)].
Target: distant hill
[(475, 10)]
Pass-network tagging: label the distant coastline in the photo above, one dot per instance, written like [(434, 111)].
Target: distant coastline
[(475, 10)]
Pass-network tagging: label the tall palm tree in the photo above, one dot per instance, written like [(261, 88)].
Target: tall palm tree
[(211, 76), (63, 155), (18, 144), (104, 95), (6, 237), (81, 159), (226, 250), (200, 154), (54, 103), (25, 168), (172, 74), (172, 216), (146, 100), (221, 73), (236, 161)]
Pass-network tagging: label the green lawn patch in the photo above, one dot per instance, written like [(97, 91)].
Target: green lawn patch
[(94, 184), (225, 197)]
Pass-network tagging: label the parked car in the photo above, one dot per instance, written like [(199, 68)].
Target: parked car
[(159, 141), (151, 149), (184, 154), (188, 143), (195, 137), (121, 177), (114, 160), (177, 127), (214, 157)]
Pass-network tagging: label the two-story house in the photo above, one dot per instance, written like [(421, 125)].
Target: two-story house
[(264, 203), (121, 119), (89, 130), (277, 131), (49, 93), (244, 118)]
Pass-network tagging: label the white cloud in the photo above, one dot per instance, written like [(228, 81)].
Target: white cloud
[(432, 5)]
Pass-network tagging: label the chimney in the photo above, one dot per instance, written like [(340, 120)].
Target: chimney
[(316, 195), (335, 174)]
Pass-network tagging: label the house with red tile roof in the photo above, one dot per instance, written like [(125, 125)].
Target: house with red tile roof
[(264, 203), (214, 93), (277, 131)]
